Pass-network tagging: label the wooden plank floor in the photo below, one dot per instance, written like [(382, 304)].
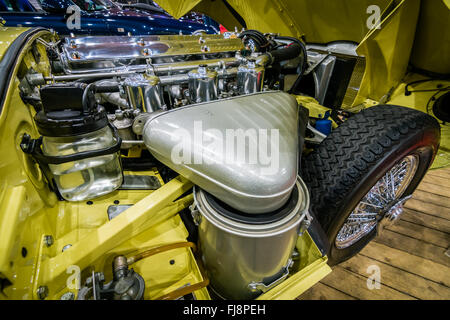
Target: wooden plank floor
[(413, 256)]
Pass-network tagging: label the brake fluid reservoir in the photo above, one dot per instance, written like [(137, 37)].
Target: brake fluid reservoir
[(79, 137)]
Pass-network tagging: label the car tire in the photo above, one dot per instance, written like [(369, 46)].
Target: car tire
[(343, 170)]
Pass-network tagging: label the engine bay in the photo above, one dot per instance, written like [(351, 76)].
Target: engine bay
[(113, 116)]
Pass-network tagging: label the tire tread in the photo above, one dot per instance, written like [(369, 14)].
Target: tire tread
[(346, 155)]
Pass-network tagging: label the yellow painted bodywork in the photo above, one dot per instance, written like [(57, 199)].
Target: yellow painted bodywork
[(320, 21), (387, 51), (421, 101), (8, 36), (431, 49), (316, 110)]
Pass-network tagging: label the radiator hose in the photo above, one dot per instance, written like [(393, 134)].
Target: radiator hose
[(287, 53)]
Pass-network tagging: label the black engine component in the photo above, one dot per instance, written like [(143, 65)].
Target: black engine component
[(441, 108), (126, 285), (69, 109)]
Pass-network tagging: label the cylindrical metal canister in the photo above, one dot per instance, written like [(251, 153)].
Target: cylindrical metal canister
[(246, 255), (202, 85), (144, 93), (250, 77)]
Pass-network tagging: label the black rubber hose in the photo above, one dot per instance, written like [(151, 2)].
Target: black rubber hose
[(303, 48), (255, 34), (260, 40), (287, 53), (104, 89), (92, 88), (305, 61), (85, 97)]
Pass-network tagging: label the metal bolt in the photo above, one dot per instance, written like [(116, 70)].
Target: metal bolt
[(48, 240), (67, 246), (141, 42), (100, 276), (68, 296), (76, 55), (42, 292)]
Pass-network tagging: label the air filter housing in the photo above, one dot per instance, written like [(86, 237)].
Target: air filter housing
[(243, 150)]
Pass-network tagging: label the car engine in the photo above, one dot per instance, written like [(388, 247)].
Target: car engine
[(174, 71), (113, 106), (121, 82)]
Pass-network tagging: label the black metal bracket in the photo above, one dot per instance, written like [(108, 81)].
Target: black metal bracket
[(33, 147)]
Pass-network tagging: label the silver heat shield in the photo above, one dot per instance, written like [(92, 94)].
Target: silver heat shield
[(242, 150)]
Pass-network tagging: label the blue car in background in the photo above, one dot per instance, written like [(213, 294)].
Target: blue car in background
[(96, 17)]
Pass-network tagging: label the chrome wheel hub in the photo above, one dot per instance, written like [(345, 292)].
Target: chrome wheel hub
[(392, 214), (381, 206)]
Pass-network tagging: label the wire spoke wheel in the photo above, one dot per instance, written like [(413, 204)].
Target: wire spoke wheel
[(381, 206), (362, 173)]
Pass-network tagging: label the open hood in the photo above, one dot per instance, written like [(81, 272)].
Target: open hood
[(319, 20), (322, 21)]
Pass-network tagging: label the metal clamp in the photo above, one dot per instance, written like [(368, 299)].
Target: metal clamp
[(318, 136), (33, 147), (304, 225), (261, 286), (195, 213)]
